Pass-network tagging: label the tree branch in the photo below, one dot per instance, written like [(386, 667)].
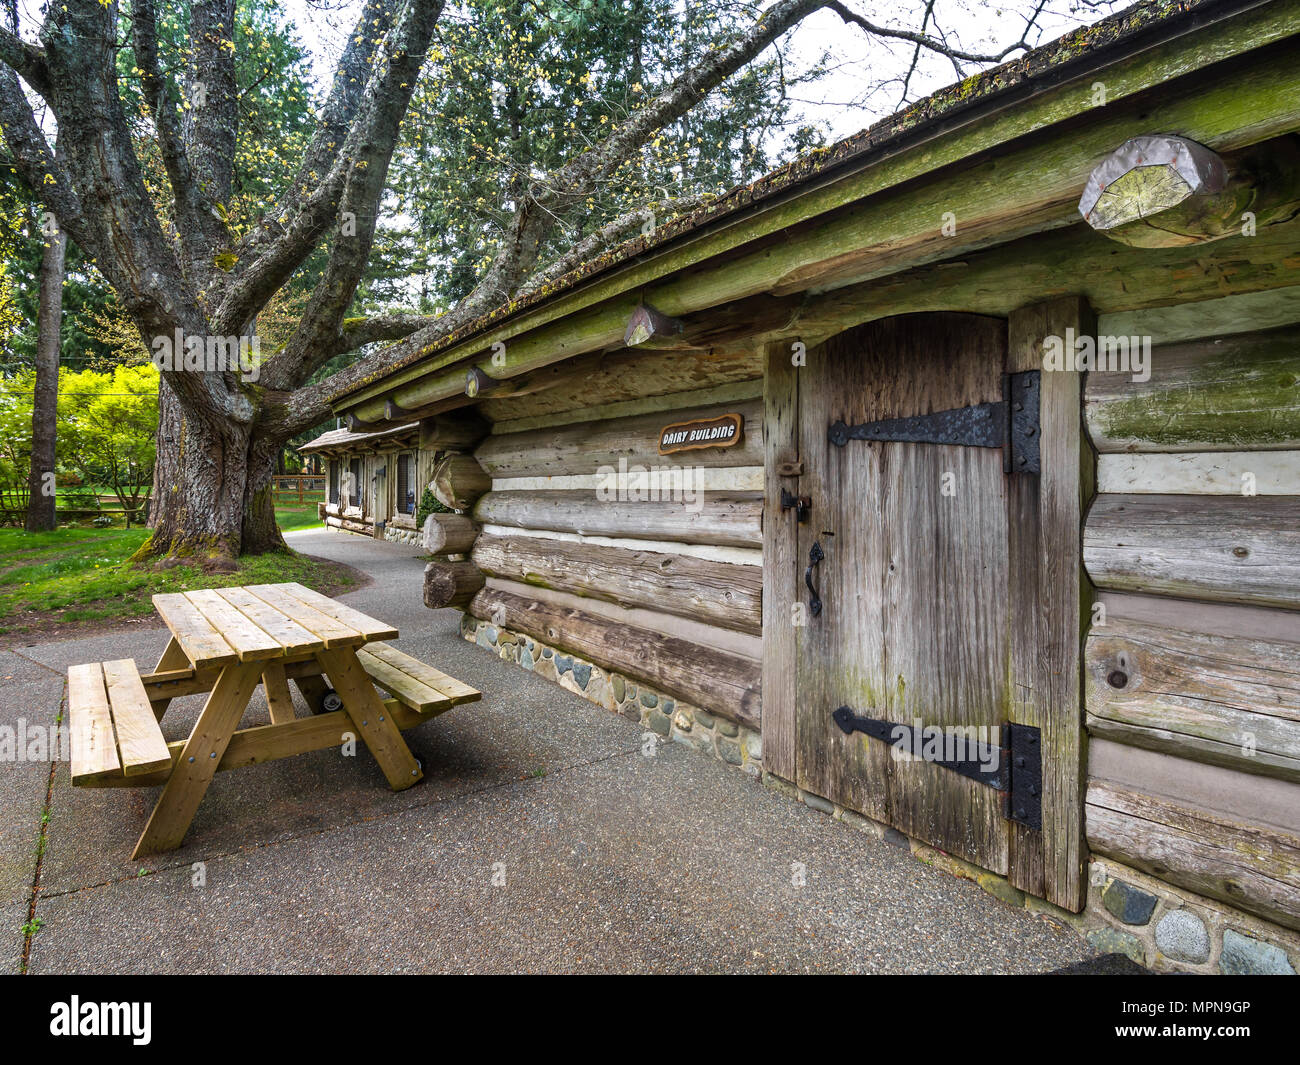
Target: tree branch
[(200, 231)]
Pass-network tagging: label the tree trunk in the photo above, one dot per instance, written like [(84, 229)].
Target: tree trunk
[(199, 484), (261, 533), (41, 515)]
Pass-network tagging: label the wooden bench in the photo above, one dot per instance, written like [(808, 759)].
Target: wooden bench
[(413, 683), (111, 724)]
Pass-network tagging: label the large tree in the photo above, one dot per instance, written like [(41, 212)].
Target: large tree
[(181, 269)]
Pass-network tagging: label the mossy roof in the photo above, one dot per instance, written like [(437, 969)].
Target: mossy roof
[(1070, 56)]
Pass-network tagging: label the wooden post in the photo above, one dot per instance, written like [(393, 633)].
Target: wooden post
[(780, 558), (1050, 599)]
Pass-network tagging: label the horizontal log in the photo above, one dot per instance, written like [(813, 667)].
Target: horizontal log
[(1229, 701), (451, 584), (1222, 548), (713, 680), (449, 534), (1265, 473), (1233, 393), (350, 525), (458, 480), (718, 592), (585, 448), (1252, 867), (714, 520)]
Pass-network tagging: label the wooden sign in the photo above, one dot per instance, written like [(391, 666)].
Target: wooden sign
[(722, 431)]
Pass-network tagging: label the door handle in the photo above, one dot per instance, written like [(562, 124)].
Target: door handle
[(814, 556)]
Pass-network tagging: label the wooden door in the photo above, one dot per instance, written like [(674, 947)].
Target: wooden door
[(923, 618)]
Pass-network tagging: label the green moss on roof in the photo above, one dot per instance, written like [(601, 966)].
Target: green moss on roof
[(1065, 51)]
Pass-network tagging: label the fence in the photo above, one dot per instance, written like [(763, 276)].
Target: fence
[(298, 488)]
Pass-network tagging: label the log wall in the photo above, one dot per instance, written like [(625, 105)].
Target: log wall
[(643, 564), (1192, 661)]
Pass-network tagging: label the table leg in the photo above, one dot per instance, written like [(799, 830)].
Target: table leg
[(194, 770), (313, 690), (278, 699), (371, 718), (172, 658)]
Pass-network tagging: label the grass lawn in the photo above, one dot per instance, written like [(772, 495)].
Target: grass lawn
[(74, 576)]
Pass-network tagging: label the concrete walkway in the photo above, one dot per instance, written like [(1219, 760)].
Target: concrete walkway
[(540, 840)]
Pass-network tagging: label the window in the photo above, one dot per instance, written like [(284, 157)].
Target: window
[(405, 483), (357, 493), (334, 482)]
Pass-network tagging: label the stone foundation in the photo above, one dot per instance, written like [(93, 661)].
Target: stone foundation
[(1172, 930), (400, 534), (658, 713)]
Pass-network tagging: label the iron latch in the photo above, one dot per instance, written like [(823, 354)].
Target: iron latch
[(1014, 768), (1011, 425), (802, 505)]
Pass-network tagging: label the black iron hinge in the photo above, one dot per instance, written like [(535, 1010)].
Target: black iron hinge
[(1014, 768), (1011, 425)]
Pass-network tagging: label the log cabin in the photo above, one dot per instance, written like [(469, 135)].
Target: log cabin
[(983, 421)]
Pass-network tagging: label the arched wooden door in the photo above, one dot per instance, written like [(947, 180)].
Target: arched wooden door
[(924, 665)]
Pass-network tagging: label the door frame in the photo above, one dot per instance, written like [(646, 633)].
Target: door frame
[(1051, 594)]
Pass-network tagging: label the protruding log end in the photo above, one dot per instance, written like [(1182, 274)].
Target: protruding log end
[(451, 584), (1163, 191), (449, 534)]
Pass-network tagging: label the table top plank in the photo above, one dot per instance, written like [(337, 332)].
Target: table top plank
[(333, 632), (250, 642), (94, 752), (202, 643), (292, 636), (370, 628)]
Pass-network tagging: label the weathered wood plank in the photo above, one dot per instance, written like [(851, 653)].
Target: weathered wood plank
[(1049, 595), (275, 623), (1239, 550), (90, 726), (1252, 867), (1230, 701), (1233, 393), (780, 571), (279, 700), (583, 449), (710, 679), (402, 686), (726, 522), (718, 592)]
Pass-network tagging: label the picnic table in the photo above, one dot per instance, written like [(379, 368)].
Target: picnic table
[(227, 641)]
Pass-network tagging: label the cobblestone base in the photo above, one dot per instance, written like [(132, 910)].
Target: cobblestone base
[(399, 535), (1172, 930), (658, 713)]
